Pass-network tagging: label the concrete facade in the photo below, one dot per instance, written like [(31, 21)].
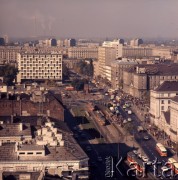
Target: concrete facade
[(39, 66)]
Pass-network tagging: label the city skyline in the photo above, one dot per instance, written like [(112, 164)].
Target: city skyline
[(90, 19)]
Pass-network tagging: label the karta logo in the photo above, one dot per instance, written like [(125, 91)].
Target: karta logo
[(158, 169)]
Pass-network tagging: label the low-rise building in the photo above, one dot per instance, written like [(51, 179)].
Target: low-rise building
[(44, 148), (37, 103)]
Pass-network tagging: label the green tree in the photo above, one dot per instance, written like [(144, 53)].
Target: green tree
[(9, 73), (65, 71)]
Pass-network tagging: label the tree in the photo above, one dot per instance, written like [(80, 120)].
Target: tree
[(65, 71), (9, 73), (84, 68), (78, 84)]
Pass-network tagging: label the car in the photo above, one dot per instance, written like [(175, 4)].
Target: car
[(117, 112), (124, 107), (149, 163), (129, 112), (139, 155), (135, 152), (145, 159), (146, 137), (129, 119), (106, 94), (164, 168), (118, 104), (124, 121)]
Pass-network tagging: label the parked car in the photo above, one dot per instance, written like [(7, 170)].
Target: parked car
[(129, 112)]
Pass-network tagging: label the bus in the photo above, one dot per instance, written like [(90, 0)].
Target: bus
[(161, 149), (171, 162), (176, 168), (137, 162)]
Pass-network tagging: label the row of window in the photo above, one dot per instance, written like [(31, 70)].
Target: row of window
[(41, 77), (39, 56), (30, 153), (162, 101)]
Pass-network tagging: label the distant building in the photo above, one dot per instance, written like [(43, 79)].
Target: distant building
[(174, 55), (136, 42), (6, 39), (69, 42), (136, 52), (40, 66), (83, 52), (2, 41), (117, 44), (162, 52)]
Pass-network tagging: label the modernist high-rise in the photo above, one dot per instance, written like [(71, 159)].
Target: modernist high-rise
[(40, 66)]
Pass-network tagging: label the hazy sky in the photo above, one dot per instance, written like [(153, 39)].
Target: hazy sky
[(89, 18)]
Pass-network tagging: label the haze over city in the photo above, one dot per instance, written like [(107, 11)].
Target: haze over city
[(89, 18), (88, 89)]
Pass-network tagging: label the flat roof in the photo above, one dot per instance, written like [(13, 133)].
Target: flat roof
[(13, 129)]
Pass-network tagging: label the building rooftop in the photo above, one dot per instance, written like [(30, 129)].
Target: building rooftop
[(7, 130), (156, 69), (68, 151), (175, 99), (30, 147), (168, 86)]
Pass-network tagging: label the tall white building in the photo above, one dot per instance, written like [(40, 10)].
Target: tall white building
[(160, 99), (105, 56), (39, 66), (117, 44)]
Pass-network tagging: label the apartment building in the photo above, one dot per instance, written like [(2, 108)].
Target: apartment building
[(117, 68), (168, 120), (136, 52), (83, 52), (160, 99), (9, 53), (40, 66), (105, 56), (141, 78)]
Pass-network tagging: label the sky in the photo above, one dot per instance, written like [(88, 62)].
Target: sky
[(89, 18)]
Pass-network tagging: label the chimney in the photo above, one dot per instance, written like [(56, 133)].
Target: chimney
[(12, 118), (21, 126)]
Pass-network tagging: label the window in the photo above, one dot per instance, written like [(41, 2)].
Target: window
[(38, 152), (21, 153), (169, 101), (30, 153), (168, 94), (162, 101), (162, 108)]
